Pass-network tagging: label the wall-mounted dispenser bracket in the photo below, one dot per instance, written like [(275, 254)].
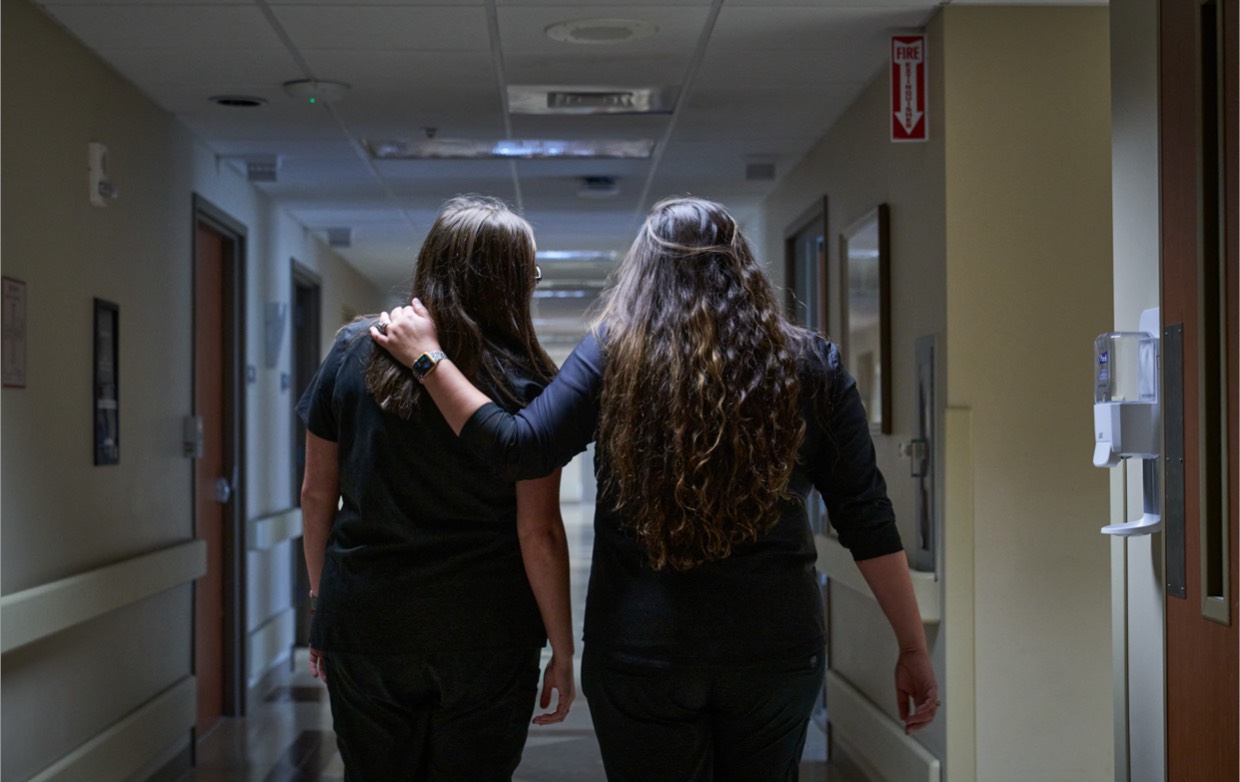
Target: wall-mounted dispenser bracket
[(1126, 412)]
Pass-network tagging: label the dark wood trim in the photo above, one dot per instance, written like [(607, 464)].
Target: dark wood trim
[(1202, 669), (816, 213), (305, 360), (884, 311), (234, 576)]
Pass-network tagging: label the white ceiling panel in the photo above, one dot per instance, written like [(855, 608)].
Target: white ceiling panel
[(168, 27), (773, 113), (812, 27), (396, 71), (384, 27), (203, 72), (592, 68)]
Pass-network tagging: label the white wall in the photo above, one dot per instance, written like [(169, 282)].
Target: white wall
[(60, 514)]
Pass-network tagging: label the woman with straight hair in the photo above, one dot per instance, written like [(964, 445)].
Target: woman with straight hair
[(436, 582), (714, 417)]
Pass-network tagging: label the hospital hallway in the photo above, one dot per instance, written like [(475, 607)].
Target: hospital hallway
[(287, 734)]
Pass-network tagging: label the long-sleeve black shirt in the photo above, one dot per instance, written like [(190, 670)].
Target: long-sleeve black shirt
[(760, 603)]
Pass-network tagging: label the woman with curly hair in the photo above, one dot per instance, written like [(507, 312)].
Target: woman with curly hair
[(437, 582), (714, 417)]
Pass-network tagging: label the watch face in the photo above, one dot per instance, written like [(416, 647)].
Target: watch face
[(423, 365)]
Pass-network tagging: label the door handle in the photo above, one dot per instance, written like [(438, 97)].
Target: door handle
[(223, 490)]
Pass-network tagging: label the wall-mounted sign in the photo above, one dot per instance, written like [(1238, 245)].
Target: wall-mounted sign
[(908, 88), (107, 383), (14, 351)]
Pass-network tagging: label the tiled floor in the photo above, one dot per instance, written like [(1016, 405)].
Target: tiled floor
[(287, 735)]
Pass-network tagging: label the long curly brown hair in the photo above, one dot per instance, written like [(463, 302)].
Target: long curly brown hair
[(476, 274), (699, 422)]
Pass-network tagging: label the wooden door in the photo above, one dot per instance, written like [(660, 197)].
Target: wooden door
[(219, 329), (1198, 136), (209, 511)]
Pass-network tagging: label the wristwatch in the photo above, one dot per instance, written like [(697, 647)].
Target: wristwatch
[(426, 363)]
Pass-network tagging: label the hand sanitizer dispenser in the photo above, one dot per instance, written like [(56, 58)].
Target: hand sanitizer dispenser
[(1126, 413)]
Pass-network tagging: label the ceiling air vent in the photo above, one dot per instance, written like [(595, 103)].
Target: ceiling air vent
[(757, 171), (594, 187), (339, 237), (263, 169), (546, 99)]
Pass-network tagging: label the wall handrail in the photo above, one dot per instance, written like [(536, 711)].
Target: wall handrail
[(40, 611), (268, 531), (837, 563)]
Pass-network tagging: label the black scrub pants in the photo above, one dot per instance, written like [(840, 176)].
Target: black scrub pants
[(664, 722), (440, 717)]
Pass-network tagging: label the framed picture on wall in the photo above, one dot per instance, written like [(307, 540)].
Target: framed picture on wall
[(107, 383), (14, 352), (865, 265)]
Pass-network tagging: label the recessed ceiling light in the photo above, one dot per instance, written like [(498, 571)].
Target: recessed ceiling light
[(530, 149), (316, 91), (238, 101), (600, 31)]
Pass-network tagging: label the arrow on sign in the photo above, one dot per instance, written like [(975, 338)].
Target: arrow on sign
[(908, 56)]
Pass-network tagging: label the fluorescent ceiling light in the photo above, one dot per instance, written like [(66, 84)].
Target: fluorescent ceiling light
[(577, 255), (570, 293), (528, 149), (600, 31)]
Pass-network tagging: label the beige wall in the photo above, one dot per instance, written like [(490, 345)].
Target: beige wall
[(1001, 247), (1028, 288), (60, 514)]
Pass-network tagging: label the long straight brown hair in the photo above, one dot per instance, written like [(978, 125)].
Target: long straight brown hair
[(475, 273), (700, 420)]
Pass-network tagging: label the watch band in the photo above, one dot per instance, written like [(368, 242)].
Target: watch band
[(426, 363)]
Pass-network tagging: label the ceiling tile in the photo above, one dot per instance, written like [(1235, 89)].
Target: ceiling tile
[(383, 27)]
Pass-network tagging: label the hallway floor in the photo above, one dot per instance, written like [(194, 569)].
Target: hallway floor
[(287, 735)]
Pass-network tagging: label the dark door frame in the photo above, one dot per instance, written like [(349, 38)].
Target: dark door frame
[(306, 355), (815, 215), (234, 575)]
